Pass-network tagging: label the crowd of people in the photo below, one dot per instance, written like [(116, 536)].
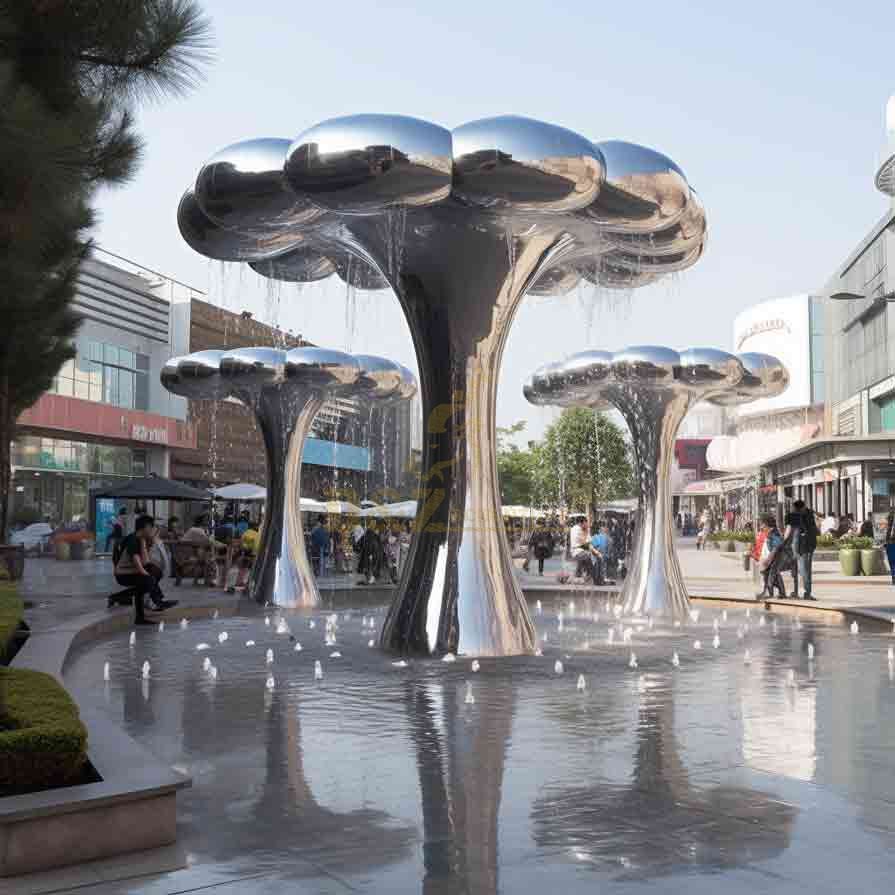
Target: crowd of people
[(375, 551)]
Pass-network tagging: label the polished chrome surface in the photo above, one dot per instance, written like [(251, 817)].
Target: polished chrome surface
[(765, 377), (653, 388), (644, 190), (520, 164), (304, 265), (461, 226), (285, 389), (361, 164), (214, 241), (680, 239), (195, 376), (243, 187)]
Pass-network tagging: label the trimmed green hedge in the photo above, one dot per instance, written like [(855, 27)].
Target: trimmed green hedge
[(11, 613), (744, 537), (42, 740)]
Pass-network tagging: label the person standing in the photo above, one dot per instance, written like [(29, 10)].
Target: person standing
[(320, 539), (801, 534), (774, 556), (890, 542), (541, 544), (132, 570)]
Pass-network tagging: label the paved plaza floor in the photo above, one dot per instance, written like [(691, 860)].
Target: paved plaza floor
[(775, 776)]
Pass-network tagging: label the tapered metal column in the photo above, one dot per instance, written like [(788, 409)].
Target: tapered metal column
[(655, 584), (458, 592), (282, 573)]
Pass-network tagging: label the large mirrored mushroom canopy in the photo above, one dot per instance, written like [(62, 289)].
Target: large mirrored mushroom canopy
[(286, 207)]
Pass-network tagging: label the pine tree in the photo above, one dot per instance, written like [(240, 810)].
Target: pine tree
[(70, 75)]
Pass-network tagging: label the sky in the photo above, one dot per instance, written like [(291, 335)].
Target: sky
[(775, 111)]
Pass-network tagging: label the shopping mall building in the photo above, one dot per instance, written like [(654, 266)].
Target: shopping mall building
[(107, 418), (830, 438)]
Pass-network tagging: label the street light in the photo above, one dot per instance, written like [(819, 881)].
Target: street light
[(851, 296)]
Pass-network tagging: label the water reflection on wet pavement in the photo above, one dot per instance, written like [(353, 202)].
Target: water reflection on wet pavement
[(386, 779)]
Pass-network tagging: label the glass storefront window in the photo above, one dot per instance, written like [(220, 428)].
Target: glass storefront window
[(108, 374)]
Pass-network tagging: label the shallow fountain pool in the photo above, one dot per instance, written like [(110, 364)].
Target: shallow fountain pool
[(439, 778)]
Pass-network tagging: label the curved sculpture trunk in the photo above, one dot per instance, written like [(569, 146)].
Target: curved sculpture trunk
[(655, 584), (282, 574), (458, 592)]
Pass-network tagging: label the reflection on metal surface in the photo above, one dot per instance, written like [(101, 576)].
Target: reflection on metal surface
[(653, 388), (461, 226), (285, 389), (361, 164), (524, 165), (721, 827), (460, 755), (244, 188)]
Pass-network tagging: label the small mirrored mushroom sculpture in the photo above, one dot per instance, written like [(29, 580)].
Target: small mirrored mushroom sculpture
[(285, 389), (460, 225), (653, 388)]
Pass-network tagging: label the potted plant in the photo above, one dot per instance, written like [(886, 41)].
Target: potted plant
[(850, 554)]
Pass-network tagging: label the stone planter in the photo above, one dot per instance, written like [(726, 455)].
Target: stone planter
[(62, 550), (872, 561), (850, 561)]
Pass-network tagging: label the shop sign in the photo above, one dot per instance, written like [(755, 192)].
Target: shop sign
[(140, 432)]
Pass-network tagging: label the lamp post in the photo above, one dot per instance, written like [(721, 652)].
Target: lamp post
[(851, 296)]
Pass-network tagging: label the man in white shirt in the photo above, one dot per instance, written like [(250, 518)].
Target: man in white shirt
[(829, 525)]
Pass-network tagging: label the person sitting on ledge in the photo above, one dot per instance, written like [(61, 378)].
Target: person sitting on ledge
[(132, 569)]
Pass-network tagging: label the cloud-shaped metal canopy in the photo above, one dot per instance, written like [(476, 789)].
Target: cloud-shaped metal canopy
[(590, 376), (245, 372), (282, 205)]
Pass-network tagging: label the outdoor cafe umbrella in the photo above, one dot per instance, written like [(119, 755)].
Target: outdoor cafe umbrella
[(153, 487), (241, 491)]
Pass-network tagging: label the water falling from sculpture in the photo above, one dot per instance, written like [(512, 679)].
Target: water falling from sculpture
[(653, 388), (285, 389), (460, 225)]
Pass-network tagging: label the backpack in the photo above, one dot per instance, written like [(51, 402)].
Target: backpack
[(807, 533)]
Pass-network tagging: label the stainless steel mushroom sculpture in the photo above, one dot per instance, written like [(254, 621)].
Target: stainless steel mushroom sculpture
[(653, 388), (285, 389), (460, 225)]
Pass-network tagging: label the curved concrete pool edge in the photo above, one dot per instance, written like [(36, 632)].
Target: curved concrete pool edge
[(132, 808)]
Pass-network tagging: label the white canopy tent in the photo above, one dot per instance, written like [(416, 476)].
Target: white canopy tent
[(405, 509), (241, 491)]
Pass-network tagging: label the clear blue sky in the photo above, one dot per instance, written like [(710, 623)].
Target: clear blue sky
[(774, 111)]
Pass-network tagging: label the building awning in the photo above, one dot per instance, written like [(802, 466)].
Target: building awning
[(704, 488)]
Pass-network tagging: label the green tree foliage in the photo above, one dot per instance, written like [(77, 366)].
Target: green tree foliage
[(70, 74), (516, 468), (583, 461)]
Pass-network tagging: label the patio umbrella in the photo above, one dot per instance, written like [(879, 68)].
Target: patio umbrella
[(153, 487), (342, 508), (405, 509), (241, 491)]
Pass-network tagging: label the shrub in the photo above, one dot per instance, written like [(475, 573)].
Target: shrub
[(744, 537), (11, 613), (827, 540), (42, 740), (853, 542)]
